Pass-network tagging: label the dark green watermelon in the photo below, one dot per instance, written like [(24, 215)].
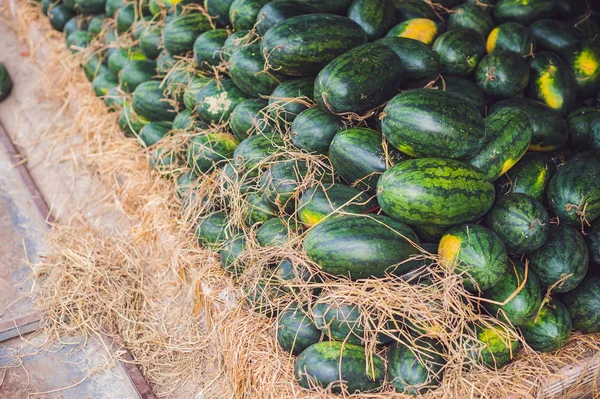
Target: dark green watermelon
[(453, 128), (508, 134), (150, 41), (500, 347), (593, 241), (511, 36), (134, 73), (190, 94), (313, 130), (376, 17), (303, 45), (574, 193), (434, 192), (320, 202), (416, 370), (102, 84), (475, 252), (96, 24), (207, 48), (243, 13), (150, 102), (213, 229), (185, 182), (129, 121), (274, 232), (333, 364), (59, 15), (112, 6), (550, 329), (342, 322), (530, 176), (165, 62), (329, 6), (282, 181), (230, 253), (471, 16), (502, 74), (6, 83), (562, 261), (412, 9), (554, 35), (290, 98), (126, 17), (247, 70), (584, 60), (76, 23), (361, 246), (583, 303), (296, 331), (522, 306), (276, 11), (524, 12), (460, 50), (357, 154), (219, 9), (216, 101), (90, 7), (236, 40), (464, 89), (549, 128), (580, 127), (551, 82), (121, 57), (179, 34), (250, 156), (419, 62), (209, 149), (259, 209), (247, 117), (521, 222)]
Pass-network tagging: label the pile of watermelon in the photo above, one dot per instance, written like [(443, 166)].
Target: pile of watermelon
[(367, 134)]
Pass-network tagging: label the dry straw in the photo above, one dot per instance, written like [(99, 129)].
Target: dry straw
[(143, 277)]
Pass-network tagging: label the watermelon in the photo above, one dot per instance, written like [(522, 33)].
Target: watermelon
[(218, 11), (278, 10), (230, 254), (46, 4), (236, 40), (376, 17), (103, 83), (296, 331), (550, 329), (502, 74), (329, 6), (434, 192), (185, 182), (259, 209), (554, 35), (524, 305), (79, 40), (126, 17), (460, 50), (207, 48), (273, 233), (551, 82), (359, 80), (413, 9), (162, 160), (595, 133), (90, 7), (96, 24), (247, 70), (216, 101), (593, 241), (153, 132), (361, 246), (530, 176), (290, 98), (462, 88), (574, 193), (243, 13), (59, 15), (342, 322), (150, 102), (281, 181), (524, 12), (112, 6), (334, 364), (180, 34), (76, 23), (357, 154), (320, 202), (303, 45), (209, 149), (313, 130), (287, 271), (213, 229), (496, 347), (129, 121), (113, 99), (417, 370), (421, 29), (250, 156), (471, 16), (549, 128), (431, 234), (6, 83), (475, 252), (511, 36), (135, 73), (419, 62), (508, 134), (453, 128), (164, 63), (70, 4), (265, 296), (562, 262), (121, 57), (190, 94), (150, 41), (580, 127), (583, 303), (177, 81), (584, 60), (247, 117)]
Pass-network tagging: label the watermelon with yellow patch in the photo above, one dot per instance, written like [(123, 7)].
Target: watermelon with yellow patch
[(584, 60), (511, 36), (421, 29), (552, 82)]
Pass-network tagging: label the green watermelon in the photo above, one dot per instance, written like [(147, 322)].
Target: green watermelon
[(296, 331), (520, 221), (190, 94), (471, 16), (96, 24), (250, 156), (357, 154), (421, 29), (247, 117), (329, 6), (511, 36), (574, 193), (342, 322), (593, 241), (219, 10), (6, 83), (103, 83), (265, 296), (524, 11), (303, 45), (164, 63), (419, 62), (75, 24), (90, 7), (464, 89), (320, 202), (243, 13), (496, 347), (59, 15), (554, 35), (551, 82), (112, 6), (216, 101), (530, 176), (475, 252), (129, 121), (313, 130), (416, 370), (562, 261), (153, 132), (150, 41), (361, 246), (524, 305), (453, 129), (278, 10), (230, 253), (185, 182), (126, 17), (236, 40), (273, 233), (412, 9), (376, 17), (281, 181), (213, 229), (247, 70), (550, 329), (209, 149), (290, 98), (584, 60), (207, 48), (150, 102), (580, 127), (502, 74), (583, 303), (460, 50), (508, 134), (134, 73), (434, 192), (121, 57), (334, 364), (259, 209), (179, 34)]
